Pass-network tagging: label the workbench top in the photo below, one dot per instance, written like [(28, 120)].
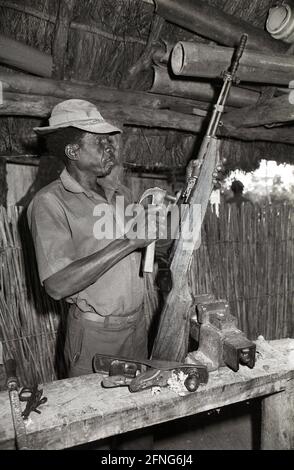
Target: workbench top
[(79, 410)]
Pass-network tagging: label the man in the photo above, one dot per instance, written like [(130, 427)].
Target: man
[(99, 277), (237, 189)]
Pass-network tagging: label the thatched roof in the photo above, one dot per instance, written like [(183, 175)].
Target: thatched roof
[(107, 37)]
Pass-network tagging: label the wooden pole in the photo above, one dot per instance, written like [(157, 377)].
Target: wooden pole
[(60, 42), (213, 23), (20, 83), (275, 110), (16, 54), (166, 84), (16, 104), (161, 55), (209, 61), (40, 106), (277, 419), (284, 134)]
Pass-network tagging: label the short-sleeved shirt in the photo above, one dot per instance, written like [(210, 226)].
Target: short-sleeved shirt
[(61, 219)]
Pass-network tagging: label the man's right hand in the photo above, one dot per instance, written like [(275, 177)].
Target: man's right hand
[(149, 225), (83, 272)]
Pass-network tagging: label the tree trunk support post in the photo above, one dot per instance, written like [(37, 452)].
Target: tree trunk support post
[(277, 419)]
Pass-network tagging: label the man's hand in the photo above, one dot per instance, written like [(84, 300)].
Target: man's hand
[(193, 167), (149, 225), (217, 175)]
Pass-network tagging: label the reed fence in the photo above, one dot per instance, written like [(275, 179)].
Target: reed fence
[(246, 257), (31, 323)]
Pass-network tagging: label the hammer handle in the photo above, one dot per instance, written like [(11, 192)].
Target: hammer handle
[(158, 196), (149, 258), (149, 253)]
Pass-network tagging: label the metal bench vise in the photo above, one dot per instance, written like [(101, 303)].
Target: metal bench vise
[(219, 340)]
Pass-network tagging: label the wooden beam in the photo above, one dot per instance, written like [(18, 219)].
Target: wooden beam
[(65, 89), (40, 106), (277, 410), (215, 24), (210, 61), (275, 110), (199, 90), (29, 59), (16, 104), (21, 160), (161, 55), (60, 43), (284, 135), (277, 420)]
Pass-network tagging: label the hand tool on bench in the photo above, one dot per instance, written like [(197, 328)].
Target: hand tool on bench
[(18, 423), (33, 398), (142, 374)]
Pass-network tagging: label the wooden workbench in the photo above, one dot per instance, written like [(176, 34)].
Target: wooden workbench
[(79, 410)]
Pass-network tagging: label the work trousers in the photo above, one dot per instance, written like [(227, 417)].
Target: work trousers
[(88, 333)]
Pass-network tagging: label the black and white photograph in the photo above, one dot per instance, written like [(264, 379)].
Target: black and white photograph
[(146, 230)]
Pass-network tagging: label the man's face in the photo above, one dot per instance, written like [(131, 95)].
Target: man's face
[(99, 153)]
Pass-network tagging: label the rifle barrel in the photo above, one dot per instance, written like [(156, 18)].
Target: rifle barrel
[(229, 77)]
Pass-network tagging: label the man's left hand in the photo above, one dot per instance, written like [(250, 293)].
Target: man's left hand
[(217, 176)]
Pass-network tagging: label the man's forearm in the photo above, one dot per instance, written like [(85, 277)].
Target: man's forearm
[(85, 271)]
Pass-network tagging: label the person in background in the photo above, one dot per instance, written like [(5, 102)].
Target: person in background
[(238, 198)]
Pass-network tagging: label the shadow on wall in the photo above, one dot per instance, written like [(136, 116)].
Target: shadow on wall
[(49, 170)]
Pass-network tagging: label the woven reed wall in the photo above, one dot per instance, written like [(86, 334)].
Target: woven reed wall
[(247, 257), (31, 323)]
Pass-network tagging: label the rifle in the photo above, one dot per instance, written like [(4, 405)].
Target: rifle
[(171, 342), (229, 77)]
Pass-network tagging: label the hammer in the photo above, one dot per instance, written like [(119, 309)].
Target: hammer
[(159, 196)]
